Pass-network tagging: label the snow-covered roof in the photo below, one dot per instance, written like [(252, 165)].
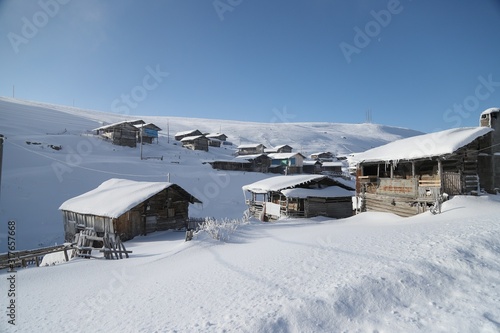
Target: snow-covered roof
[(185, 132), (327, 192), (283, 156), (113, 125), (148, 125), (332, 164), (279, 183), (116, 196), (191, 138), (312, 162), (250, 145), (214, 135), (490, 110), (249, 157), (423, 146)]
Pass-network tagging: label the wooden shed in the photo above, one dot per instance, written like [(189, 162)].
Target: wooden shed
[(251, 149), (149, 132), (121, 134), (299, 196), (311, 166), (197, 142), (127, 208), (252, 163), (289, 163), (406, 177), (218, 136), (181, 135), (279, 149), (324, 156)]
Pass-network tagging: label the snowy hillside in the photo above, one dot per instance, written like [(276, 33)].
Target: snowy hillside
[(37, 178), (373, 272)]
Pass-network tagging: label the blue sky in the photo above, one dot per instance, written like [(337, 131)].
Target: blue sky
[(425, 65)]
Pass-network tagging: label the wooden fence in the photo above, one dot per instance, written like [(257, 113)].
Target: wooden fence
[(30, 257)]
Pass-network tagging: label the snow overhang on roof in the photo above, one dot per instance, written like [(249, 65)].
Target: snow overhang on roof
[(250, 145), (279, 183), (327, 192), (113, 125), (185, 132), (191, 138), (490, 110), (283, 156), (423, 146), (115, 197)]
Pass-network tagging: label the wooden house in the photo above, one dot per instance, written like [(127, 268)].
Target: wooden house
[(311, 166), (298, 196), (279, 149), (180, 135), (489, 156), (218, 136), (136, 122), (251, 149), (215, 139), (406, 177), (332, 168), (289, 163), (325, 156), (149, 132), (127, 208), (252, 163), (121, 134), (197, 142)]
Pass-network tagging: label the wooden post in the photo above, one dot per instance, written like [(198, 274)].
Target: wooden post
[(1, 157), (66, 254)]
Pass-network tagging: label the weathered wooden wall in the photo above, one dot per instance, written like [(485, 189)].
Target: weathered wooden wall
[(329, 207)]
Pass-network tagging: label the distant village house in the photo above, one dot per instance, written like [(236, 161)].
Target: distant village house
[(197, 142), (122, 133), (251, 149)]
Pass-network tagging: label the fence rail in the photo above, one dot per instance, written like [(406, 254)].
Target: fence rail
[(30, 257)]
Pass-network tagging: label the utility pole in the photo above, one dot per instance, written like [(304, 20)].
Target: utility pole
[(168, 132), (142, 125), (1, 157), (13, 91)]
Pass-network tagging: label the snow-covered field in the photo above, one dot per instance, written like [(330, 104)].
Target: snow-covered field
[(374, 272)]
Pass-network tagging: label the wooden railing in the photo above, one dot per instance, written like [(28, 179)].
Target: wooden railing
[(30, 257)]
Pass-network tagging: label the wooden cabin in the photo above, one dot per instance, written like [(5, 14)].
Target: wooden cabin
[(311, 167), (218, 136), (332, 168), (289, 163), (279, 149), (197, 142), (127, 208), (251, 149), (149, 132), (121, 134), (406, 177), (181, 135), (325, 156), (251, 163), (299, 196)]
